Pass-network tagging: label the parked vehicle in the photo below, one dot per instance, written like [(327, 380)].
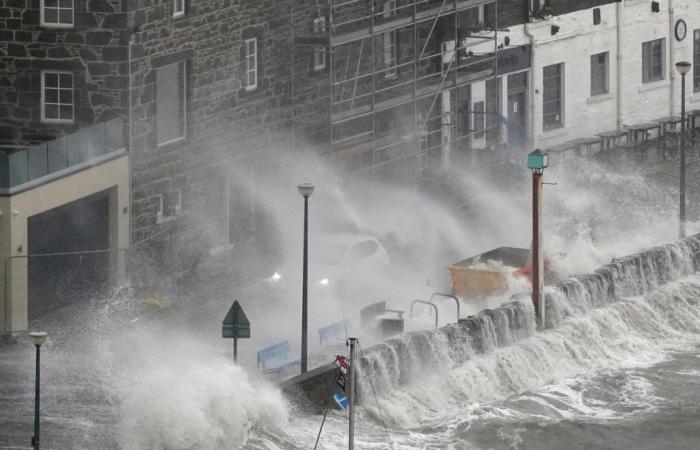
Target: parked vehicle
[(338, 261)]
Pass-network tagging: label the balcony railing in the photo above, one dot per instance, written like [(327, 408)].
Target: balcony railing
[(24, 164)]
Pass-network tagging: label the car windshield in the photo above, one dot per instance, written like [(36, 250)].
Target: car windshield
[(362, 250), (329, 254)]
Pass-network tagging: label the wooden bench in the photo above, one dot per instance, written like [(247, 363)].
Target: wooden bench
[(275, 358)]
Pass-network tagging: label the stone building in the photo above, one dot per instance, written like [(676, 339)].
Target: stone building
[(144, 130), (64, 166)]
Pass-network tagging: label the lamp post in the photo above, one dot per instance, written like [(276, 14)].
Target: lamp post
[(305, 189), (537, 161), (38, 339), (683, 67)]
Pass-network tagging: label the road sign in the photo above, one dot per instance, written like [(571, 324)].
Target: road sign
[(236, 325), (341, 401)]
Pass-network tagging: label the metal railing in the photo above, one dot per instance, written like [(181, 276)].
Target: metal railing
[(439, 294), (423, 302), (22, 164)]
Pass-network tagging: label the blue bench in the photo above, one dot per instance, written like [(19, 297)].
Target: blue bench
[(275, 358), (333, 334)]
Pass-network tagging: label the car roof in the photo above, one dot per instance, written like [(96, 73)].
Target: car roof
[(343, 238)]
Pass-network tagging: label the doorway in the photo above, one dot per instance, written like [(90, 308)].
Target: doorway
[(517, 108)]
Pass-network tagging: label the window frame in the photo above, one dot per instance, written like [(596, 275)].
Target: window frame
[(183, 136), (319, 50), (44, 119), (58, 8), (555, 124), (595, 64), (161, 214), (179, 12), (696, 60), (254, 70), (648, 63)]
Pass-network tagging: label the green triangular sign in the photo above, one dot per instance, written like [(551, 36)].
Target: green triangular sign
[(236, 324)]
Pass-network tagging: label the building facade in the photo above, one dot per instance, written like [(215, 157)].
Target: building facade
[(137, 133)]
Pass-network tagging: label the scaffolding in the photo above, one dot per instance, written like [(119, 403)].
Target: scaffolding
[(397, 69)]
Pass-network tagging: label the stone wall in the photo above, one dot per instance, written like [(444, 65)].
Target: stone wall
[(228, 127), (94, 50)]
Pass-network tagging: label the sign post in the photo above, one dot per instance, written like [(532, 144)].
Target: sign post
[(236, 325)]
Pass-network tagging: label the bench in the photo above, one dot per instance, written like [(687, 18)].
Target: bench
[(333, 334), (374, 316), (275, 358)]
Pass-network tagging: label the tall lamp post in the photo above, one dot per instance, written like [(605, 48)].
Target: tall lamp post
[(305, 189), (38, 339), (683, 68), (537, 161)]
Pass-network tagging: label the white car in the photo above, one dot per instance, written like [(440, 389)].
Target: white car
[(338, 261)]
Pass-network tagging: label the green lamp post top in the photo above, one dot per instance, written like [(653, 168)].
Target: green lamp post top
[(537, 160)]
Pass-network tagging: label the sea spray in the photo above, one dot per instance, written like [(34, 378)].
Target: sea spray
[(197, 406)]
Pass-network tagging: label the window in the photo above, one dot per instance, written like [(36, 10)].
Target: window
[(653, 60), (552, 83), (596, 16), (171, 102), (251, 63), (696, 61), (57, 13), (56, 97), (169, 204), (178, 8), (390, 47), (319, 51), (599, 74), (479, 121)]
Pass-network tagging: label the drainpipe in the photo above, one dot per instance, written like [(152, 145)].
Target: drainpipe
[(618, 63), (132, 40), (671, 60), (531, 93)]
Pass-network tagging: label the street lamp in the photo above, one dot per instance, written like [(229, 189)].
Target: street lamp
[(38, 339), (537, 161), (305, 189), (683, 68)]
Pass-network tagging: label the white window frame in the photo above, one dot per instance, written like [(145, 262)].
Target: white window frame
[(562, 104), (248, 69), (179, 12), (58, 73), (160, 214), (646, 65), (42, 8), (390, 42), (184, 104), (319, 50), (606, 80)]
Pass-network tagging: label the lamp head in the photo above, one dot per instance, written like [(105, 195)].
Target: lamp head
[(38, 337), (537, 160), (683, 67), (306, 189)]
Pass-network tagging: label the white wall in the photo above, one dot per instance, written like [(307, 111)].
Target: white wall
[(578, 39)]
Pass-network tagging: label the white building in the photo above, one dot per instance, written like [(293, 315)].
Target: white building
[(605, 68)]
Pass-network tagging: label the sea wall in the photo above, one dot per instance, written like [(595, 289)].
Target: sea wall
[(417, 354)]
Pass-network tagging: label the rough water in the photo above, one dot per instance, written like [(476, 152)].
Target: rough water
[(619, 367)]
